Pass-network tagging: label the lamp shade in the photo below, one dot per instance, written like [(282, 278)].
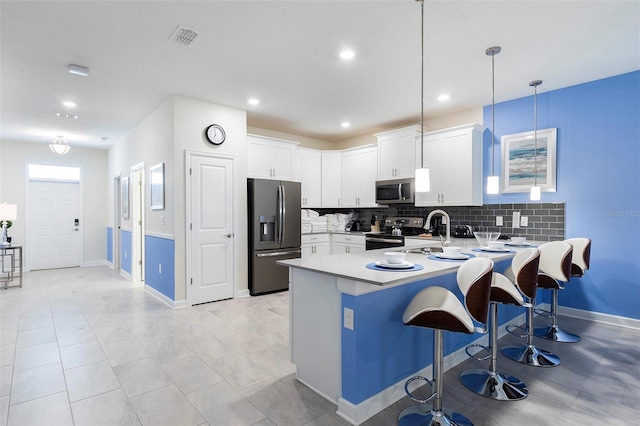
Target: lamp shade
[(8, 211), (493, 184), (423, 183), (535, 193)]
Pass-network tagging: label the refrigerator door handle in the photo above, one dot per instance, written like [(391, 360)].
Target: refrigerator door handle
[(284, 213), (278, 253), (280, 218)]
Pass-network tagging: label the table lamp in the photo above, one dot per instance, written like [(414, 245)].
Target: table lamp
[(8, 212)]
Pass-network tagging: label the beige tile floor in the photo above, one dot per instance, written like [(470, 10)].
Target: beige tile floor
[(82, 346)]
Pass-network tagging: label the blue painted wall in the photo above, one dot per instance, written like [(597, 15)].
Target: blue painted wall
[(125, 251), (160, 251), (110, 244), (598, 177), (382, 351)]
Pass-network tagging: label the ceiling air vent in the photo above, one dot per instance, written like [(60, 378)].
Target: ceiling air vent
[(183, 35)]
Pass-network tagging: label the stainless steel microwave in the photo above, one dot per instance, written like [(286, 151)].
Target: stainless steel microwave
[(395, 191)]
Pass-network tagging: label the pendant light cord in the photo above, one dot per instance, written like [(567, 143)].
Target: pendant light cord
[(535, 84), (493, 113), (422, 85)]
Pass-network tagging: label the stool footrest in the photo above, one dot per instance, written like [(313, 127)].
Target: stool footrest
[(543, 312), (511, 329), (474, 356), (410, 395)]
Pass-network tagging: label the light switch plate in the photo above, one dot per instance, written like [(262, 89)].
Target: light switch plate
[(499, 221), (348, 318), (524, 221), (516, 220)]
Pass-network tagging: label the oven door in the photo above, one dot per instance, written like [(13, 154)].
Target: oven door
[(374, 242)]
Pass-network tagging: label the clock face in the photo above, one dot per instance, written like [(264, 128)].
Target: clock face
[(216, 134)]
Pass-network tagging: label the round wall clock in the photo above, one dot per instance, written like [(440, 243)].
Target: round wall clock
[(215, 134)]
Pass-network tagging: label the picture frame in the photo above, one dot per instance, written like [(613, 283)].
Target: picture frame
[(157, 186), (125, 197), (519, 158)]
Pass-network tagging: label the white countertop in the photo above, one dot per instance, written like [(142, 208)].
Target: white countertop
[(353, 265)]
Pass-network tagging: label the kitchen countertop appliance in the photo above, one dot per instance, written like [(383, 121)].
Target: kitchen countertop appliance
[(395, 228), (463, 231), (274, 232)]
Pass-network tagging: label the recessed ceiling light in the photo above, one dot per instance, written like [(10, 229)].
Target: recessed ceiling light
[(347, 54), (253, 101), (345, 124), (65, 115), (69, 104), (78, 70), (443, 97)]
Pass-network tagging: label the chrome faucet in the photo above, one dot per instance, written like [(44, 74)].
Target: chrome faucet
[(427, 224)]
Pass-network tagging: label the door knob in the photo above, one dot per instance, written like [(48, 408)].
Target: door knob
[(229, 235)]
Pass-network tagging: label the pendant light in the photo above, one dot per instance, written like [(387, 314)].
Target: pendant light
[(493, 181), (422, 174), (535, 189), (59, 145)]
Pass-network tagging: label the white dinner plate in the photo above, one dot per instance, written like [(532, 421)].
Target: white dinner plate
[(405, 265), (461, 256), (496, 250)]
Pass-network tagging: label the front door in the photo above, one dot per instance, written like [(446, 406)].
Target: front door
[(53, 218), (211, 228)]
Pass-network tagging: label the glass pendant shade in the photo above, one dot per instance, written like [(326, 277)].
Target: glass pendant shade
[(535, 193), (423, 183), (59, 145), (493, 185)]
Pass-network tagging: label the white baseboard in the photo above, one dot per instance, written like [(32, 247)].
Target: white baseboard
[(243, 293), (599, 317), (96, 263), (357, 414), (126, 275), (178, 304)]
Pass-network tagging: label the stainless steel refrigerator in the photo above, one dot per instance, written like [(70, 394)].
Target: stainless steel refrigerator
[(274, 232)]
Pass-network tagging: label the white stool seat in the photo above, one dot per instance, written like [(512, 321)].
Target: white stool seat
[(437, 304)]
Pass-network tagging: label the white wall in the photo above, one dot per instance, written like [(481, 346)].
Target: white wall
[(93, 162), (191, 118)]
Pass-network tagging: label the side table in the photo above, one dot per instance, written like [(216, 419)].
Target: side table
[(11, 264)]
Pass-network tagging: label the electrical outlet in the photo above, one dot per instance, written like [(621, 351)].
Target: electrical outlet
[(159, 268), (524, 221), (348, 318), (516, 220), (499, 221), (444, 220)]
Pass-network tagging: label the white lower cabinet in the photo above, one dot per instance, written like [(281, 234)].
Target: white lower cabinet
[(315, 245), (347, 243)]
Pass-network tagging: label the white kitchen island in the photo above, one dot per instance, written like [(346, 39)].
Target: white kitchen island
[(347, 338)]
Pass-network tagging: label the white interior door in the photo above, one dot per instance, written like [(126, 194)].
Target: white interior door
[(137, 219), (212, 246), (53, 222)]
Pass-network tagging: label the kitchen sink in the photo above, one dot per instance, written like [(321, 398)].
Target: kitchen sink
[(424, 250)]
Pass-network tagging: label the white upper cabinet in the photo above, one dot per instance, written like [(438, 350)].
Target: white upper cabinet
[(309, 173), (454, 159), (331, 178), (270, 158), (396, 153), (359, 177)]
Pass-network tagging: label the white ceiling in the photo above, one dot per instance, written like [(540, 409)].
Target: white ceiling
[(286, 54)]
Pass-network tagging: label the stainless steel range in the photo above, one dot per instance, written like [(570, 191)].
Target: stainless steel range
[(394, 230)]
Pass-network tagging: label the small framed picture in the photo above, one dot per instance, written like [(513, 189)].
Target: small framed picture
[(157, 186), (527, 162), (125, 197)]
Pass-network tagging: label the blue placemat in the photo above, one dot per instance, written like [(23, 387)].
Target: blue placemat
[(434, 257), (415, 267), (494, 252)]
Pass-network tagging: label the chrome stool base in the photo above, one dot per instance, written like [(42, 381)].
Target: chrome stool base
[(496, 386), (555, 334), (531, 355), (423, 415)]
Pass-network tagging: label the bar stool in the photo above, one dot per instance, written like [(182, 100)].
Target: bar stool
[(489, 382), (555, 272), (439, 309), (523, 272)]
